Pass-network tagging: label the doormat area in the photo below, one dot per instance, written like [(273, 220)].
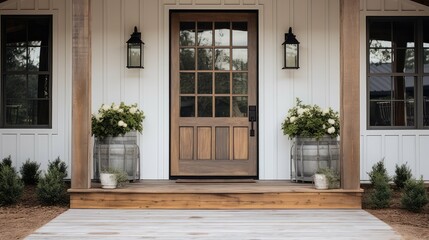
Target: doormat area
[(215, 181)]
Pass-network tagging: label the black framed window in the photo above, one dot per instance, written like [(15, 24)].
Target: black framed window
[(398, 72), (26, 80)]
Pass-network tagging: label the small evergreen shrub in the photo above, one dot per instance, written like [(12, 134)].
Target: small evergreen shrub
[(30, 172), (402, 174), (6, 162), (415, 195), (51, 188), (11, 186), (60, 165), (378, 170), (382, 193)]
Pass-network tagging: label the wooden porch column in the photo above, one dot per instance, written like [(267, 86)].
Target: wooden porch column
[(349, 93), (81, 95)]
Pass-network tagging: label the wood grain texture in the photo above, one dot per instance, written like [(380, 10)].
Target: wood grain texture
[(349, 93), (220, 224), (204, 143), (81, 94), (258, 195), (186, 143), (222, 143), (241, 143)]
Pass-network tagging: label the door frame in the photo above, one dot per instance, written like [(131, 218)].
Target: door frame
[(170, 12)]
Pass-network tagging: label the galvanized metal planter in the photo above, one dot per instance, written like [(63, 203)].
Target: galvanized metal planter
[(310, 154), (120, 153)]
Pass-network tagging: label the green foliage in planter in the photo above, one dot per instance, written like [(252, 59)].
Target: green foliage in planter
[(379, 170), (311, 121), (332, 175), (402, 174), (30, 172), (51, 188), (415, 195), (121, 176), (382, 193), (58, 164), (114, 120), (11, 186), (6, 162)]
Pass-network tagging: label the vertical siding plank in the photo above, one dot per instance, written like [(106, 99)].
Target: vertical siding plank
[(44, 4), (318, 46), (409, 152), (27, 152), (42, 151), (333, 55), (28, 5), (373, 152), (373, 5), (97, 54), (391, 146), (391, 5), (423, 161), (301, 30), (10, 147)]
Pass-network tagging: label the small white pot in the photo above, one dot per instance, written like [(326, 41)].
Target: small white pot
[(108, 180), (320, 181)]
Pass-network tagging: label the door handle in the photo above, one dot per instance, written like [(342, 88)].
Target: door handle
[(252, 119)]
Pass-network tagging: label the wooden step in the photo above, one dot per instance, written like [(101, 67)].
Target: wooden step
[(259, 195)]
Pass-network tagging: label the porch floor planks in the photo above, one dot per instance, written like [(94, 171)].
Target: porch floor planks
[(165, 194), (215, 224)]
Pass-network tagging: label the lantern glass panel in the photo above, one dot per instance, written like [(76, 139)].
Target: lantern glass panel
[(291, 55), (134, 55)]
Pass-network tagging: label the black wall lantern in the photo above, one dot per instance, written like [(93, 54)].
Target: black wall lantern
[(135, 50), (291, 51)]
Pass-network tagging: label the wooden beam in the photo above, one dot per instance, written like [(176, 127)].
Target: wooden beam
[(81, 88), (349, 93)]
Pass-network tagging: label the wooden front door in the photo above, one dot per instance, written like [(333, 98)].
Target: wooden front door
[(213, 86)]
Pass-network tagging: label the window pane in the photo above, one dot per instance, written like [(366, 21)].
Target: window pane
[(380, 60), (405, 61), (205, 83), (16, 32), (380, 113), (187, 106), (222, 58), (205, 34), (426, 60), (187, 34), (15, 86), (426, 101), (380, 35), (187, 59), (205, 107), (239, 83), (222, 83), (38, 111), (187, 83), (239, 33), (205, 59), (239, 106), (426, 33), (222, 107), (38, 32), (38, 59), (403, 34), (38, 86), (380, 88), (16, 59), (16, 112), (239, 60), (222, 34)]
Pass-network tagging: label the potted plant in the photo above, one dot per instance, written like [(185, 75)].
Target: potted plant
[(325, 178), (115, 130), (112, 178), (314, 131)]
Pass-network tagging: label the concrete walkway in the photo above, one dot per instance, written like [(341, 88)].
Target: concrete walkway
[(215, 224)]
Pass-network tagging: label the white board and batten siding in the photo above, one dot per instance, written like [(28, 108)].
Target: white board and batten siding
[(45, 144), (395, 146), (315, 23)]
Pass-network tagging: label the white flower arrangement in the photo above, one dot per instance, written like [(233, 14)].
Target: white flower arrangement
[(114, 120), (311, 121)]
